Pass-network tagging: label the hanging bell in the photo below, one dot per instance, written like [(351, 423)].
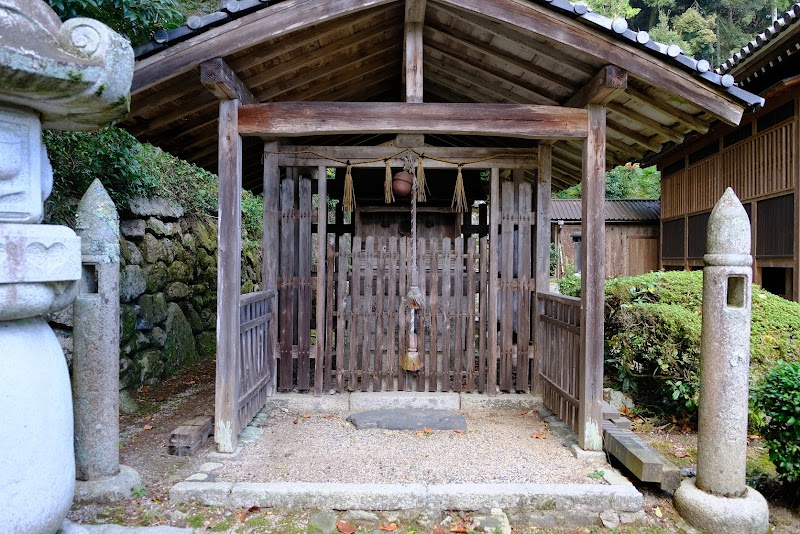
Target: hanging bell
[(401, 183)]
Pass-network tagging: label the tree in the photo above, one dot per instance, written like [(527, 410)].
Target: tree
[(624, 181), (135, 19)]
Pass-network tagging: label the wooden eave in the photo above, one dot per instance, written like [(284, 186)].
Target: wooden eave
[(475, 51)]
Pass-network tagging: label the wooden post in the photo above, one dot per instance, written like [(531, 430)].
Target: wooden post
[(229, 278), (270, 248), (322, 240), (590, 384), (543, 196), (494, 221)]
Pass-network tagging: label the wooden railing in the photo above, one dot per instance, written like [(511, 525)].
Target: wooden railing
[(256, 366), (559, 342)]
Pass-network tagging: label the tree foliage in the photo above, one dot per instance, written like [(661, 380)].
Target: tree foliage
[(135, 19), (624, 181)]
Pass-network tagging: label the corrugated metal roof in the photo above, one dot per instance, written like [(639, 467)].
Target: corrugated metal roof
[(616, 210), (790, 17)]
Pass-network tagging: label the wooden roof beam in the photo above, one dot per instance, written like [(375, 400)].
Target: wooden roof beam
[(218, 78), (538, 20), (601, 89), (412, 50), (507, 158), (292, 119), (415, 11)]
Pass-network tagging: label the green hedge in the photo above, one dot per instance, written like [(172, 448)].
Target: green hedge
[(652, 335), (779, 398)]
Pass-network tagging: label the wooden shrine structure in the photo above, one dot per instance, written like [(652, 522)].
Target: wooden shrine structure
[(512, 97)]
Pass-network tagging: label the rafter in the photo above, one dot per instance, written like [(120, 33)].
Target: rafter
[(536, 20), (273, 21)]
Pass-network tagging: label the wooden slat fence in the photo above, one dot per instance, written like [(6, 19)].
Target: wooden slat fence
[(559, 331), (256, 365)]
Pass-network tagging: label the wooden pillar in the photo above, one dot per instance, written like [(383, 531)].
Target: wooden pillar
[(229, 279), (590, 384), (542, 275), (795, 173), (270, 248), (322, 241), (494, 222)]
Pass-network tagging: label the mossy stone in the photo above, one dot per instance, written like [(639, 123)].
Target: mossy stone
[(156, 277)]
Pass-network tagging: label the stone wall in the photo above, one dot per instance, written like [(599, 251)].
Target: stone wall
[(168, 291)]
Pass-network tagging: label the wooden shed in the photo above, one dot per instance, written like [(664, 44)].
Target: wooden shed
[(514, 97), (759, 159), (631, 227)]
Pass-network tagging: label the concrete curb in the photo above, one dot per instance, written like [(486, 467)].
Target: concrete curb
[(359, 401), (545, 498)]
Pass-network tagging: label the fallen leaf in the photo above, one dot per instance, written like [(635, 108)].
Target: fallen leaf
[(419, 434), (144, 389), (459, 431), (344, 527), (254, 509), (521, 414), (624, 411), (306, 416), (427, 430), (658, 512), (147, 427), (331, 416), (539, 436), (681, 454), (459, 529), (241, 515), (391, 527), (296, 421)]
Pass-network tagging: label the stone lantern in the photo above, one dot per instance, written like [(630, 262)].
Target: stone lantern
[(71, 76)]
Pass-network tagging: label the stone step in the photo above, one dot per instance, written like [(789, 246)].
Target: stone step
[(644, 462)]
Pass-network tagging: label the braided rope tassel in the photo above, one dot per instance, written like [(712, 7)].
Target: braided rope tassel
[(349, 201), (388, 194), (459, 202), (421, 186)]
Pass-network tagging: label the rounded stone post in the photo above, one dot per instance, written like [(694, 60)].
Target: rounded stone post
[(95, 361), (719, 499)]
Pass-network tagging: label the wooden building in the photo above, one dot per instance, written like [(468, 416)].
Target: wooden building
[(514, 97), (631, 227), (759, 159)]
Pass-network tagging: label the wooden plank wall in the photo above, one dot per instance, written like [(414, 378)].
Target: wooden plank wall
[(759, 166)]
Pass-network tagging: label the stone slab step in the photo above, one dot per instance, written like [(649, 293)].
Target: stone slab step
[(644, 462), (409, 419)]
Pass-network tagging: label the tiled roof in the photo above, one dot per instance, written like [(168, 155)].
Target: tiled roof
[(782, 24), (629, 210), (233, 9)]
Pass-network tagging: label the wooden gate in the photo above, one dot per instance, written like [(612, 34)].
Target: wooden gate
[(474, 334)]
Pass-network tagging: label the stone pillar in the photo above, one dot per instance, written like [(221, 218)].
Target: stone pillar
[(71, 76), (719, 499), (95, 361)]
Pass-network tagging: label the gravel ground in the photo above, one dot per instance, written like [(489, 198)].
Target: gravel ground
[(501, 446)]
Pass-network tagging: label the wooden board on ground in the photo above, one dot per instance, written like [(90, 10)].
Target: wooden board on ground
[(187, 438)]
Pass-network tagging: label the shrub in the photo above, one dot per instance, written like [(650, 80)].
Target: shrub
[(570, 284), (779, 398), (652, 333), (128, 169)]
